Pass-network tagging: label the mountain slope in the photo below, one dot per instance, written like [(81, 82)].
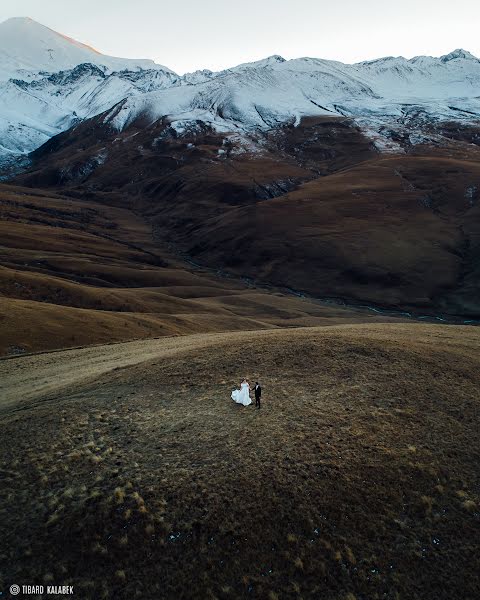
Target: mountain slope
[(383, 97), (31, 112)]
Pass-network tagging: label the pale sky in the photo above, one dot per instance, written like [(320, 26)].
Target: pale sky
[(186, 35)]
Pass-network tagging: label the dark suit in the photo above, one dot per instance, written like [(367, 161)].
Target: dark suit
[(258, 395)]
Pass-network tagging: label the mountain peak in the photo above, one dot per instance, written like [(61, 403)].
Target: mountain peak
[(458, 53), (19, 20), (26, 45), (275, 58), (270, 61), (26, 26)]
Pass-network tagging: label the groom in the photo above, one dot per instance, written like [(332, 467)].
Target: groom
[(258, 394)]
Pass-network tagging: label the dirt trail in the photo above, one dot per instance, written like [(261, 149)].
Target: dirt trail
[(36, 375)]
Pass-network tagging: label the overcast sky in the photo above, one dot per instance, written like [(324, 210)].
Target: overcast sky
[(191, 34)]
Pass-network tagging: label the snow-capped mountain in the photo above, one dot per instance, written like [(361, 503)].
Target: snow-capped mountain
[(49, 82), (33, 111), (30, 49)]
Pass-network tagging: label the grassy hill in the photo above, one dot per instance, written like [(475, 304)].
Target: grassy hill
[(133, 475)]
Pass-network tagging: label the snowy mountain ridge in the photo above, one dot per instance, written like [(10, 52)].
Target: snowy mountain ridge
[(49, 82), (385, 97)]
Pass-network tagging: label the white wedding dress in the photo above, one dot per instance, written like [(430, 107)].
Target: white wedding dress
[(242, 396)]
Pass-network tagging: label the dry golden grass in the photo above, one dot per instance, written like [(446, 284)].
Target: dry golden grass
[(358, 478)]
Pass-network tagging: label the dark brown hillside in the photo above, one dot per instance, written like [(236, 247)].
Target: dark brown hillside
[(395, 231), (314, 208)]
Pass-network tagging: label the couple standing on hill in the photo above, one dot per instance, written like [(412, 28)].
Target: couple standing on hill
[(242, 396)]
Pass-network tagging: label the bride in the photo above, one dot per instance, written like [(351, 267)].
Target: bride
[(242, 396)]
